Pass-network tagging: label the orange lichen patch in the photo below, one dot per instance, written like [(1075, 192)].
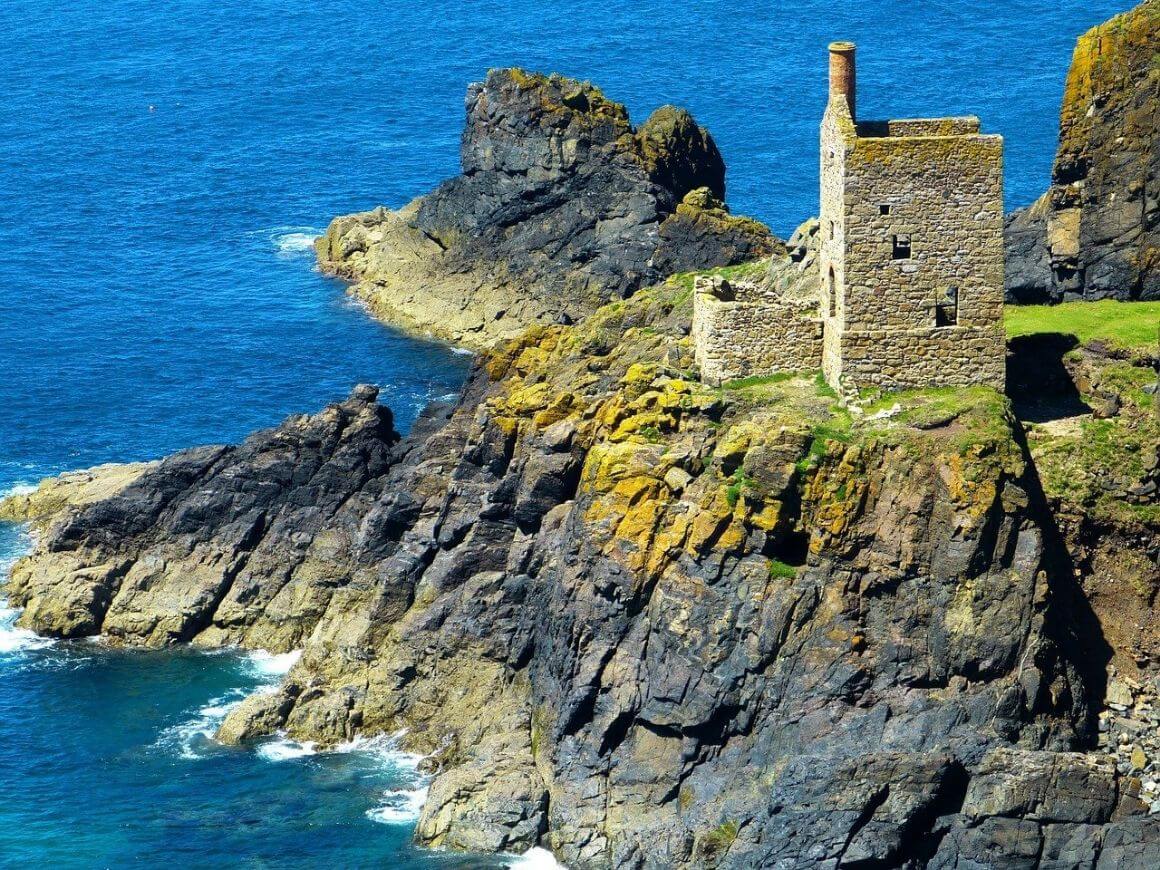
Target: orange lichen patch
[(562, 407), (769, 517), (968, 490), (837, 495), (718, 524)]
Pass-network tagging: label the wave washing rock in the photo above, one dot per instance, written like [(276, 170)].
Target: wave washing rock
[(641, 621), (1096, 233), (561, 206)]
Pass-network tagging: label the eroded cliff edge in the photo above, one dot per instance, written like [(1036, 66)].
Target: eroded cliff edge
[(561, 206), (642, 621), (1095, 234)]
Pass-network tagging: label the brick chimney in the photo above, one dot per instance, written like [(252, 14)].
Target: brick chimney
[(842, 78)]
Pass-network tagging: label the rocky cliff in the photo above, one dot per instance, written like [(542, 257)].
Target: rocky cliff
[(1096, 233), (642, 621), (561, 205)]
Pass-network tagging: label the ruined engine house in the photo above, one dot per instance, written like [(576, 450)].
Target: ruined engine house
[(910, 260)]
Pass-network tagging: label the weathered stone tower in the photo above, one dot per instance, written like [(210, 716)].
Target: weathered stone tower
[(912, 247)]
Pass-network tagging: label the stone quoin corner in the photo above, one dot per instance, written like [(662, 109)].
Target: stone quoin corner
[(911, 291)]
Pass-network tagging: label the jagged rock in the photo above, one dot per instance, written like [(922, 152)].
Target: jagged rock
[(1096, 233), (221, 544), (72, 489), (1028, 264), (633, 618), (561, 206)]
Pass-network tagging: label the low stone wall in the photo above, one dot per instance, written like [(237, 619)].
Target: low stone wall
[(906, 359), (742, 330)]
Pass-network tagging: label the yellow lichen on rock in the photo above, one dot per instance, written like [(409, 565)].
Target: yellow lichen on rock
[(72, 489)]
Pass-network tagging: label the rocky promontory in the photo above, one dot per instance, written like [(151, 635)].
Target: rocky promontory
[(648, 622), (561, 206), (1095, 234), (642, 621)]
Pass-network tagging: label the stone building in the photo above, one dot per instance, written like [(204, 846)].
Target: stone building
[(911, 261)]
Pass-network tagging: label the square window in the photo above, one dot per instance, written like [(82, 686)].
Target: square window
[(901, 248), (884, 209), (946, 310)]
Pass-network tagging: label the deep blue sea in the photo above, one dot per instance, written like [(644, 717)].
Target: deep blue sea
[(163, 167)]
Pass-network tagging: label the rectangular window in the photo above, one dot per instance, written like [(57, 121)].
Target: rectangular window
[(831, 230), (884, 209), (902, 247), (946, 310)]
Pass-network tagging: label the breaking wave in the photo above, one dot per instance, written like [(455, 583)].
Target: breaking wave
[(535, 859), (401, 804), (294, 241), (193, 738)]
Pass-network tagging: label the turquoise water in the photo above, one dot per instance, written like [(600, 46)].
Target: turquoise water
[(163, 167)]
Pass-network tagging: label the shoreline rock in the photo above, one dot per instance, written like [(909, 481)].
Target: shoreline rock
[(633, 618), (70, 489), (562, 206)]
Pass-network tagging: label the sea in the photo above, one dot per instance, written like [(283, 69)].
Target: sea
[(164, 167)]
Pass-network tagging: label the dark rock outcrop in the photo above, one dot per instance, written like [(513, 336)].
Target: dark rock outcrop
[(218, 545), (641, 621), (1096, 232), (561, 206)]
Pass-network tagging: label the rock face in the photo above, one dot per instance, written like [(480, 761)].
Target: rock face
[(73, 488), (639, 620), (561, 206), (216, 545), (1096, 232)]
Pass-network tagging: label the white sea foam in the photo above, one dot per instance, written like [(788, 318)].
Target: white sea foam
[(293, 242), (16, 640), (12, 639), (191, 738), (18, 489), (535, 859), (284, 749), (269, 664), (296, 243), (384, 747), (399, 806), (402, 804)]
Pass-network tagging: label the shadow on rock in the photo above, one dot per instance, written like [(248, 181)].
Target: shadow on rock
[(1038, 383)]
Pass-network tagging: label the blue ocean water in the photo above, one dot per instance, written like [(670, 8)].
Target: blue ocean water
[(163, 167)]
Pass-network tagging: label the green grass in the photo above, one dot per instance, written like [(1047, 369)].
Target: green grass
[(758, 380), (1127, 325), (754, 270), (738, 482), (779, 570), (718, 841)]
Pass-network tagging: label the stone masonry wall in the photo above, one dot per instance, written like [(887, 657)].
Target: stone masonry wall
[(899, 127), (741, 330), (946, 194), (937, 182), (838, 138)]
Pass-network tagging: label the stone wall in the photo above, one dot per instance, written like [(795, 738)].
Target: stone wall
[(928, 316), (838, 138), (945, 195), (742, 329), (901, 127)]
